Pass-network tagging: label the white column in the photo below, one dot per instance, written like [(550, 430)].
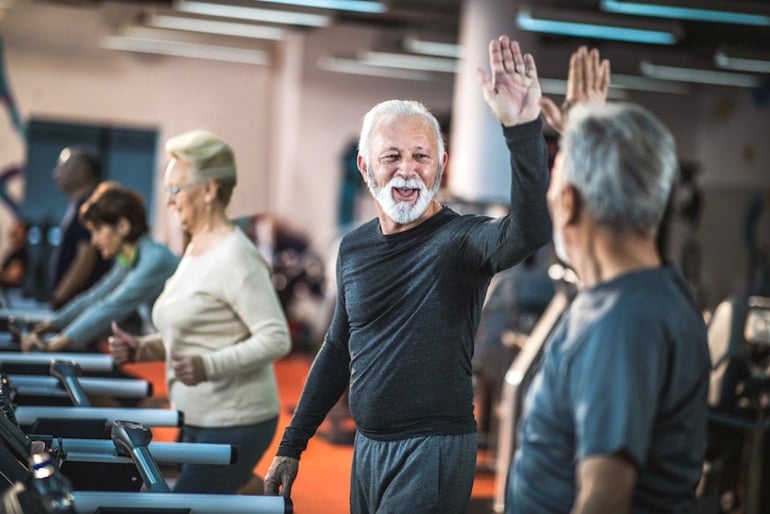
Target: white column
[(287, 92), (479, 161)]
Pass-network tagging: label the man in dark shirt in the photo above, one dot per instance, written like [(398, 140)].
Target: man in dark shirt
[(76, 264), (615, 420), (411, 284)]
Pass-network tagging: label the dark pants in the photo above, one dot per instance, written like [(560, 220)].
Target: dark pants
[(420, 475), (250, 442)]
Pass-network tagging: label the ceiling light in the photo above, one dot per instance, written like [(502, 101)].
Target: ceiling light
[(637, 83), (186, 49), (718, 78), (436, 48), (337, 5), (410, 61), (253, 13), (559, 87), (225, 28), (722, 12), (589, 25), (356, 67), (741, 60)]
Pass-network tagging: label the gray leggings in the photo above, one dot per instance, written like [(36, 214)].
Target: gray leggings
[(250, 442), (420, 475)]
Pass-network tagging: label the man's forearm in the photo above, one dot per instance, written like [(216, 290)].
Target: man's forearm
[(77, 275), (328, 378)]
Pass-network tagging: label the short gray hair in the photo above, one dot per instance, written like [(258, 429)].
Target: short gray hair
[(623, 163), (211, 157), (390, 110)]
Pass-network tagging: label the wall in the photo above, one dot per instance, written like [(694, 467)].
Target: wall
[(290, 122), (732, 145)]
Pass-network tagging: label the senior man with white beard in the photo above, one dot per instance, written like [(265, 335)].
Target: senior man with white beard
[(411, 284)]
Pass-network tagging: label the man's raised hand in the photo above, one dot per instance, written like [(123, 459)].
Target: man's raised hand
[(512, 91), (588, 82)]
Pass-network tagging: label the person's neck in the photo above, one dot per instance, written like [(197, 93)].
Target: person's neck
[(389, 226), (605, 255), (209, 232), (81, 192), (127, 254)]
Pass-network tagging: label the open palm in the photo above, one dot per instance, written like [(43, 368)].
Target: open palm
[(513, 91)]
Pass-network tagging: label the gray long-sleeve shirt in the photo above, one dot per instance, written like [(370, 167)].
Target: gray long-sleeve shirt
[(408, 306)]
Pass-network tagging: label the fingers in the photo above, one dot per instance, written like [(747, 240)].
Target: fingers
[(286, 487), (516, 57), (575, 77), (31, 341), (603, 83), (591, 66), (119, 331), (281, 475), (271, 486), (496, 65), (529, 66)]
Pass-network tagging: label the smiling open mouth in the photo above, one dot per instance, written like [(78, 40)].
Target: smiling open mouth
[(405, 194)]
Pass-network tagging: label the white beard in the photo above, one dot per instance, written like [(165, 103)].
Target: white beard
[(404, 213)]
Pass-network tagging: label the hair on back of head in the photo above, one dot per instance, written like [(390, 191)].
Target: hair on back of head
[(85, 157), (622, 161)]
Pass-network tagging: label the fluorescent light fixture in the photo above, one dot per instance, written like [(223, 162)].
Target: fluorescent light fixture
[(253, 13), (742, 61), (722, 12), (410, 61), (225, 28), (589, 25), (435, 48), (356, 67), (337, 5), (718, 78), (638, 83), (559, 87), (186, 49)]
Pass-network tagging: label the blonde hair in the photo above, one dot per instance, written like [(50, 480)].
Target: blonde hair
[(211, 157)]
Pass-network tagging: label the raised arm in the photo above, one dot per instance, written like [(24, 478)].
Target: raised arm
[(588, 81), (512, 92)]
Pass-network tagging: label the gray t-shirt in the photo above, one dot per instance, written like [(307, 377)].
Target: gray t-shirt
[(626, 371)]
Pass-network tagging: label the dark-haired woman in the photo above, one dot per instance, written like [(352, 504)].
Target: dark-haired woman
[(115, 217)]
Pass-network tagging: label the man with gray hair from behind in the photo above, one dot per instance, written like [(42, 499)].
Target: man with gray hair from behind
[(615, 420)]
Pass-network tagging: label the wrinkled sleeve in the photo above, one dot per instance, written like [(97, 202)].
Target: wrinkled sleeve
[(254, 300)]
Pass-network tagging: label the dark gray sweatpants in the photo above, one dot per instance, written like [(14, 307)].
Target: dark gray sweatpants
[(420, 475)]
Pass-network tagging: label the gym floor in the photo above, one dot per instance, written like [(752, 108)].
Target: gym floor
[(322, 485)]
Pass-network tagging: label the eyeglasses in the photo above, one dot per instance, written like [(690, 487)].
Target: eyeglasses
[(172, 191)]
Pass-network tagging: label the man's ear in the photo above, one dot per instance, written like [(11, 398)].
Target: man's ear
[(570, 204), (362, 169)]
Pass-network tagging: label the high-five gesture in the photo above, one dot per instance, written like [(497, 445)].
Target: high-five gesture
[(513, 91), (588, 82)]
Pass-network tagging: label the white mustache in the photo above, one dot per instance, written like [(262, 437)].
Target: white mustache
[(402, 183)]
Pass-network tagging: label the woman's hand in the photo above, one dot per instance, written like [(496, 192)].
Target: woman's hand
[(31, 341), (122, 345), (188, 369)]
